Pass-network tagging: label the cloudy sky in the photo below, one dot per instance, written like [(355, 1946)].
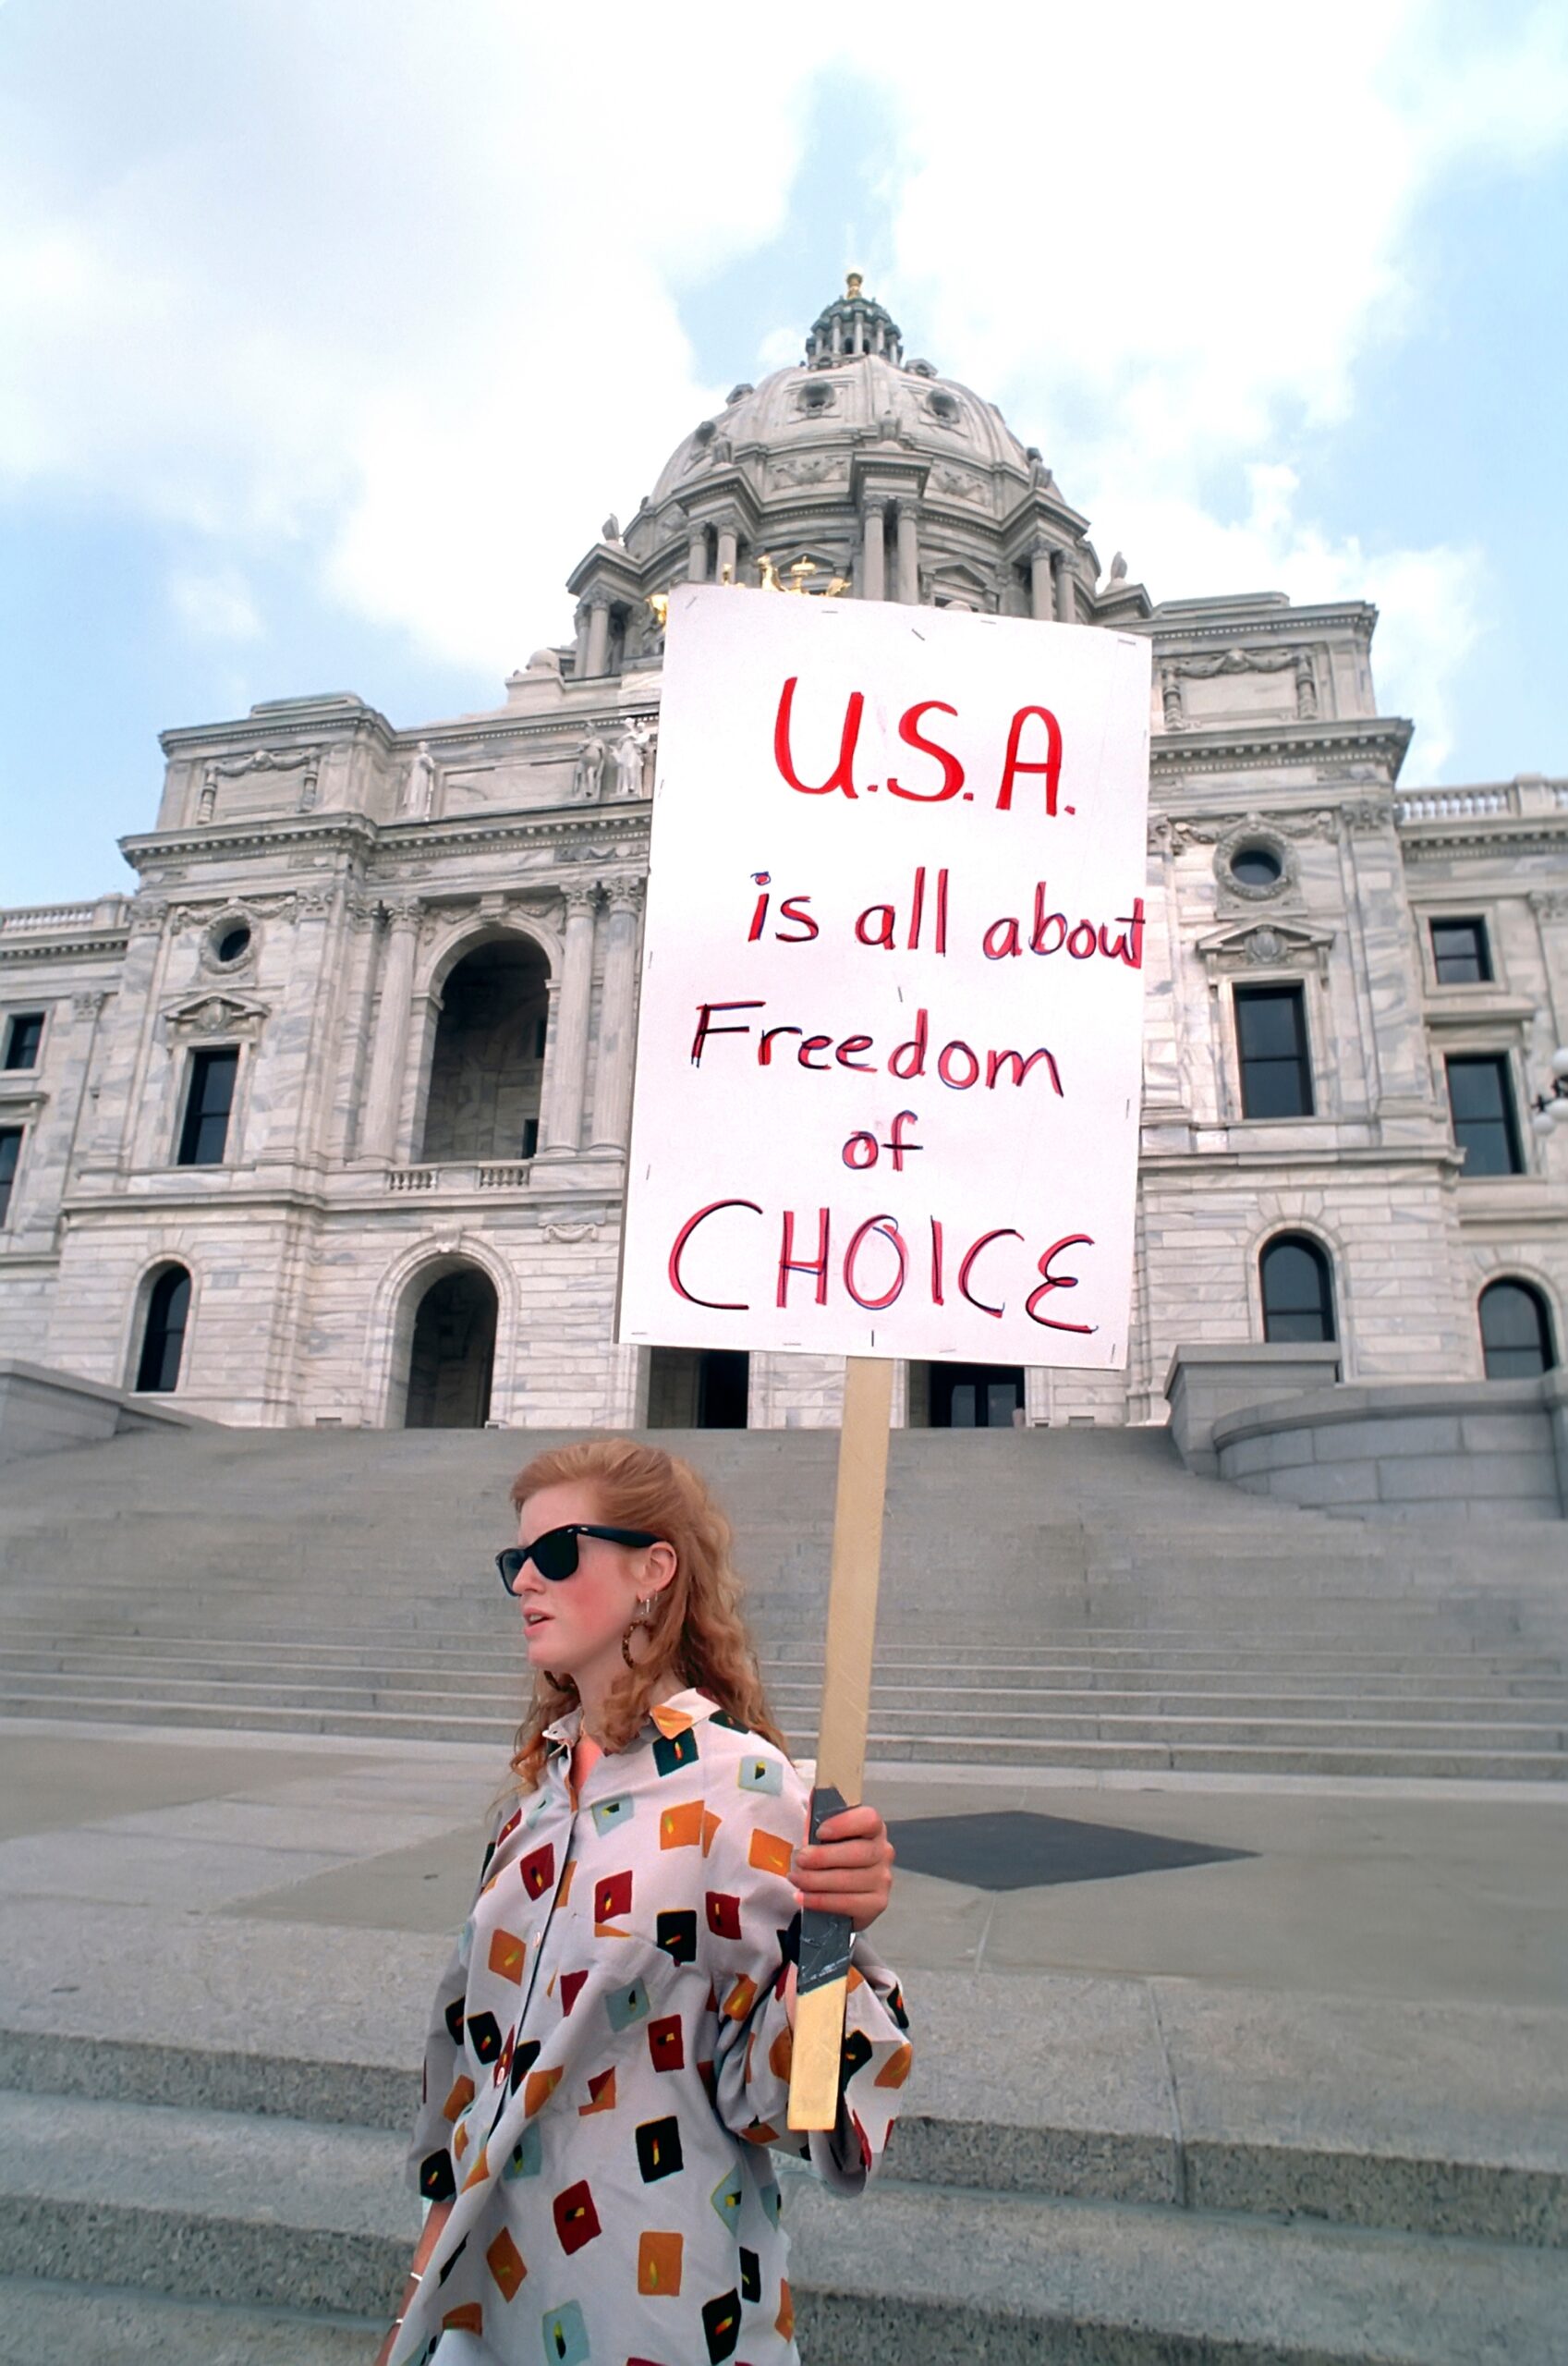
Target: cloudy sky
[(330, 329)]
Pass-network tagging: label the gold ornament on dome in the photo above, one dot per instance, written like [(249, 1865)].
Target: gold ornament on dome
[(799, 582), (768, 579)]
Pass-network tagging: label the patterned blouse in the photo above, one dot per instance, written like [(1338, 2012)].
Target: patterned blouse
[(607, 2064)]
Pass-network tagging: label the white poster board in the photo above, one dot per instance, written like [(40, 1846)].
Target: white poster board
[(887, 1056)]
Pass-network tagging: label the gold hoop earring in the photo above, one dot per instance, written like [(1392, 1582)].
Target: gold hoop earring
[(640, 1620)]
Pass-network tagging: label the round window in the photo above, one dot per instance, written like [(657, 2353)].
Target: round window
[(1256, 866), (233, 943)]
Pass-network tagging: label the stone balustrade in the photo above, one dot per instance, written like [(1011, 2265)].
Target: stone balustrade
[(462, 1175), (50, 920)]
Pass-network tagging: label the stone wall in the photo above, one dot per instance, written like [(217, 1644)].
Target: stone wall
[(1457, 1450)]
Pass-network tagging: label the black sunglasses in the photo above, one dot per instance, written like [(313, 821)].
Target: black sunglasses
[(554, 1555)]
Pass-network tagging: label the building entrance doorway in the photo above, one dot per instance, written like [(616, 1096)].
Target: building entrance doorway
[(974, 1397), (487, 1069), (698, 1388), (453, 1354)]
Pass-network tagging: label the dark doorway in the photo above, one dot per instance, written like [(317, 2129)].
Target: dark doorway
[(488, 1068), (453, 1354), (698, 1388), (975, 1396)]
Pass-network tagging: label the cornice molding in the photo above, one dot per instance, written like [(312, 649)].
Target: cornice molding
[(1511, 834), (1269, 624), (1378, 739), (69, 946), (264, 833), (325, 724)]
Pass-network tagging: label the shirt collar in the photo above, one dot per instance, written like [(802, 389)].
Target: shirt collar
[(672, 1714)]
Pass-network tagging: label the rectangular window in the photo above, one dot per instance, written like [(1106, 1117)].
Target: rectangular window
[(1460, 954), (23, 1037), (1276, 1078), (10, 1151), (208, 1103), (1481, 1099), (530, 1136)]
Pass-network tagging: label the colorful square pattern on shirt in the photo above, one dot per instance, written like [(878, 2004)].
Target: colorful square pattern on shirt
[(721, 2326), (576, 2220), (593, 2052), (671, 1752), (659, 2150), (565, 2336), (611, 1901), (659, 2265), (625, 2006)]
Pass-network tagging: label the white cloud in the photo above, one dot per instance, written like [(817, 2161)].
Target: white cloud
[(214, 606), (435, 332)]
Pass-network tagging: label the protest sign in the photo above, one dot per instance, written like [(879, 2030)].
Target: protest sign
[(887, 1056), (888, 1052)]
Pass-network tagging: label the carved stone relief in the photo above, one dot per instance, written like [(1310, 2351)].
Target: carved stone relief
[(213, 1014), (261, 760), (807, 467), (1269, 944), (960, 484), (1217, 828), (1174, 671), (1363, 815)]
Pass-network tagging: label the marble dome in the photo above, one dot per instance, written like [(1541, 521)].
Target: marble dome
[(853, 389)]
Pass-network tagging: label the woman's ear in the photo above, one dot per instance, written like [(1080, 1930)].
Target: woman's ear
[(659, 1569)]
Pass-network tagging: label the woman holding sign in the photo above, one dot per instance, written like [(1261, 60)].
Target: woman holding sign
[(609, 2055)]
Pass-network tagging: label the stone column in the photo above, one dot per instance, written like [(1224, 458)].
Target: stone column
[(383, 1093), (908, 556), (1041, 604), (697, 556), (566, 1049), (873, 565), (613, 1088), (127, 1040), (579, 624), (1066, 589), (598, 637), (729, 536)]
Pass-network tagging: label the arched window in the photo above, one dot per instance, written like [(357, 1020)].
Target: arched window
[(1298, 1290), (1515, 1332), (162, 1340)]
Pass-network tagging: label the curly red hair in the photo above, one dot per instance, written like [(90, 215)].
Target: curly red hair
[(695, 1633)]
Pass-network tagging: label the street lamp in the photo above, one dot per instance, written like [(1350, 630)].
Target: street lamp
[(1551, 1109)]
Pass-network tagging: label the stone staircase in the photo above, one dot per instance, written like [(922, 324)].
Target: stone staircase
[(1051, 1599), (269, 2194)]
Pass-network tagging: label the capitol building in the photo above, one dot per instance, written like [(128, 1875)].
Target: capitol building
[(326, 1122)]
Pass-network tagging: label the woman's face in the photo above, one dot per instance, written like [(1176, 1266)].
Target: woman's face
[(573, 1626)]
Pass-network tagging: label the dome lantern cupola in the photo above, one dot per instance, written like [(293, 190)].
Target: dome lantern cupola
[(854, 323)]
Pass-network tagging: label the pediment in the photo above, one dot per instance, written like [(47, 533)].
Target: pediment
[(1266, 945), (233, 1016)]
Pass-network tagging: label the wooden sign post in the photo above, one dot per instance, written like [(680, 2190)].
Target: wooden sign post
[(826, 1939), (888, 1052)]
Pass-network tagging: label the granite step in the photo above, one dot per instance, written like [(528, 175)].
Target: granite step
[(270, 2214), (1529, 1699), (1175, 1725), (932, 1745), (93, 2324), (1473, 2195)]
